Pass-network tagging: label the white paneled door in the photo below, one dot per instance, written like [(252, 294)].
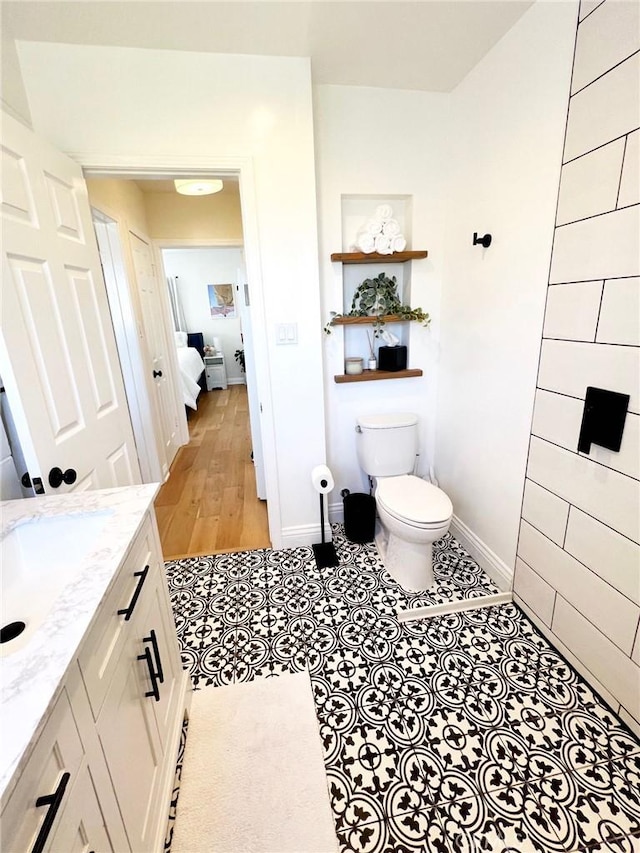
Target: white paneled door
[(58, 357), (155, 334)]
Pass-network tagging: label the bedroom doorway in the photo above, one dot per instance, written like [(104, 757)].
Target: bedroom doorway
[(225, 430)]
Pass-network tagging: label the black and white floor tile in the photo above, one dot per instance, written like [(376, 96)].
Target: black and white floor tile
[(457, 734)]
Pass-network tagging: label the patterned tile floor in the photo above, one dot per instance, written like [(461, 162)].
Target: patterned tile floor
[(457, 734)]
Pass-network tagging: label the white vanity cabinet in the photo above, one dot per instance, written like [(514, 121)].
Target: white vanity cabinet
[(138, 718), (99, 777), (40, 802)]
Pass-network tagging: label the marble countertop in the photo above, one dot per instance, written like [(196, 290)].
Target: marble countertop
[(31, 677)]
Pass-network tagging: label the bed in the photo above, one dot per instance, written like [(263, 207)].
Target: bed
[(190, 348)]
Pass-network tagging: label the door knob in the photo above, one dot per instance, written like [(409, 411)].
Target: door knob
[(157, 373), (57, 477)]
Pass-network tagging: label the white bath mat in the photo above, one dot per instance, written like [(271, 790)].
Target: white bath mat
[(253, 778)]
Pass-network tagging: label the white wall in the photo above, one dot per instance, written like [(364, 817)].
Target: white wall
[(195, 269), (577, 572), (133, 105), (379, 142), (507, 126)]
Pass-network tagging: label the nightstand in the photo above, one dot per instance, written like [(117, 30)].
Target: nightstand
[(215, 371)]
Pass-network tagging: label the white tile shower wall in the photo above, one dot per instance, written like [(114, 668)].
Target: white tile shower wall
[(578, 567)]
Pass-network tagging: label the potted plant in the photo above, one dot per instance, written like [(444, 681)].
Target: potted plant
[(378, 297), (239, 357)]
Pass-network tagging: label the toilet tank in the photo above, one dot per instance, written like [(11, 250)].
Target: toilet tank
[(387, 444)]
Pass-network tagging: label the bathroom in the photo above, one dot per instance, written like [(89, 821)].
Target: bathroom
[(482, 158)]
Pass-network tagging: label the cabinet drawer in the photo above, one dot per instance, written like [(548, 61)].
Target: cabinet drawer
[(101, 650), (57, 752)]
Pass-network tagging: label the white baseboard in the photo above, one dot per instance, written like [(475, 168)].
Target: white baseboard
[(304, 534), (336, 512), (497, 570), (238, 380)]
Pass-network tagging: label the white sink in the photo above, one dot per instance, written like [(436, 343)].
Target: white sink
[(40, 557)]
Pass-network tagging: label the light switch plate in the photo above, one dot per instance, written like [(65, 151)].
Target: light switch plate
[(286, 333)]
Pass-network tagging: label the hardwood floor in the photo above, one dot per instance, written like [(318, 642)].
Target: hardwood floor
[(209, 504)]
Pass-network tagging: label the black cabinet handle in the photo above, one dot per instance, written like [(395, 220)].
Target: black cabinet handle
[(128, 611), (155, 692), (156, 653), (157, 373), (53, 801)]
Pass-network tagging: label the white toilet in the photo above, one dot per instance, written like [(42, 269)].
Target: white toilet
[(412, 512)]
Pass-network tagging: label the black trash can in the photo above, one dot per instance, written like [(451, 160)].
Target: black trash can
[(359, 517)]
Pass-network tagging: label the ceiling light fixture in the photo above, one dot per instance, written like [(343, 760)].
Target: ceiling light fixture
[(198, 186)]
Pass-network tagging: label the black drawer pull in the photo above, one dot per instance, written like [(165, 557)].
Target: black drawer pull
[(156, 653), (53, 801), (128, 611), (155, 692)]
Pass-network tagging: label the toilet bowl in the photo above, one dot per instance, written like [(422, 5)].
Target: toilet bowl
[(412, 514)]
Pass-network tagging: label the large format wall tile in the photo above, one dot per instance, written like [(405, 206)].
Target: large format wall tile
[(598, 491), (630, 182), (534, 591), (617, 672), (606, 608), (572, 311), (612, 556), (587, 7), (605, 110), (619, 321), (557, 418), (606, 246), (570, 367), (605, 38), (545, 511), (589, 185)]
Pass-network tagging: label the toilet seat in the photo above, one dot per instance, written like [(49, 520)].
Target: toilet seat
[(414, 501)]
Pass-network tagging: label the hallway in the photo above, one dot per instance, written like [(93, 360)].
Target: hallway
[(209, 504)]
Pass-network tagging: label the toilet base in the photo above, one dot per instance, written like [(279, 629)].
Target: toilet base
[(409, 563)]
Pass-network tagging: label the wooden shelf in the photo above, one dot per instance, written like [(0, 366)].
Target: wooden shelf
[(377, 375), (363, 321), (375, 258)]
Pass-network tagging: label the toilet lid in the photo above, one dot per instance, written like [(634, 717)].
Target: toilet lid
[(410, 498)]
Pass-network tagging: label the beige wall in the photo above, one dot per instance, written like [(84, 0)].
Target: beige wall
[(120, 199), (177, 217)]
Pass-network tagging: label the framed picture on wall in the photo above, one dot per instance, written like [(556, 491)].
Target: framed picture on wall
[(221, 302)]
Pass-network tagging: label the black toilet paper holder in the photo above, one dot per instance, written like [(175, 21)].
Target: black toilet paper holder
[(603, 419)]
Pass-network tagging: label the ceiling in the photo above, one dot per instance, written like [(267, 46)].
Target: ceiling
[(426, 45)]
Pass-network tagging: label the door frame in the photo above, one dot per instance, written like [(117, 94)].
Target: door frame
[(131, 167)]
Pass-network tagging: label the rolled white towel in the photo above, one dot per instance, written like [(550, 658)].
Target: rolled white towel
[(391, 228), (383, 245), (384, 211), (398, 244), (374, 226), (365, 242)]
